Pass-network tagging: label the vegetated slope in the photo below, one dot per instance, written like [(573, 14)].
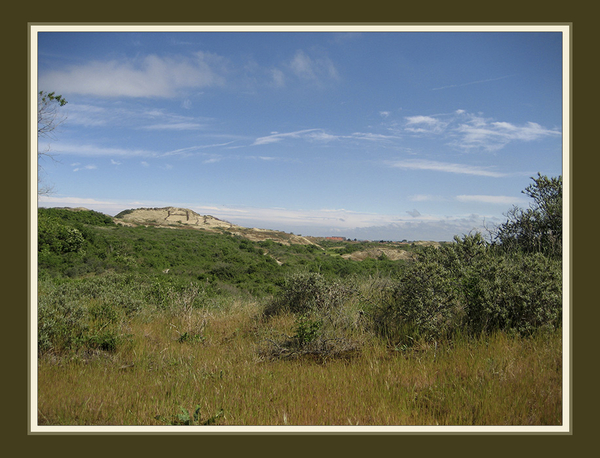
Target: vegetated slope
[(175, 217), (93, 244)]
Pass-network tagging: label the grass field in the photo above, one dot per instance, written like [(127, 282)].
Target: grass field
[(225, 371)]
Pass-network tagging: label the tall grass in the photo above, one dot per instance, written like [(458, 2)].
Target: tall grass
[(499, 379)]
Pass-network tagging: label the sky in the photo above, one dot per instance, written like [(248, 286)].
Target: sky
[(374, 135)]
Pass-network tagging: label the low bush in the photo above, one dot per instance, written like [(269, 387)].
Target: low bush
[(94, 313), (326, 317), (306, 292)]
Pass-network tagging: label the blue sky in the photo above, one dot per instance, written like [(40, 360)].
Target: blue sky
[(366, 134)]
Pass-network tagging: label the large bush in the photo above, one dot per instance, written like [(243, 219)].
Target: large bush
[(469, 287), (519, 293)]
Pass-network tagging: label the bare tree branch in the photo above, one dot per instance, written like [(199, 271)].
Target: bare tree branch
[(49, 119)]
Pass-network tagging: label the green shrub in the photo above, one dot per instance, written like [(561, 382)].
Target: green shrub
[(469, 287), (54, 236), (89, 313), (306, 329), (519, 293), (308, 291), (325, 312)]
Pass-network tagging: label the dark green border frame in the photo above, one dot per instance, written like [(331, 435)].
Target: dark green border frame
[(16, 286)]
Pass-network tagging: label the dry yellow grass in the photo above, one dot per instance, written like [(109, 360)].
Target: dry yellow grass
[(498, 380)]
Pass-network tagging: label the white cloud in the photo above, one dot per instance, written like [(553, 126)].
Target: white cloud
[(126, 115), (424, 124), (371, 137), (411, 226), (471, 132), (145, 164), (479, 133), (436, 228), (212, 160), (274, 138), (322, 136), (93, 150), (302, 65), (500, 200), (306, 67), (176, 126), (278, 77), (421, 164), (188, 151), (86, 167), (421, 120), (150, 76)]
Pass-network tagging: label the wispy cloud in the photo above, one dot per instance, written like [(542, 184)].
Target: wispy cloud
[(447, 167), (129, 115), (424, 124), (169, 76), (74, 149), (212, 160), (370, 136), (312, 68), (94, 150), (277, 137), (176, 126), (500, 200), (470, 132), (278, 77), (478, 133), (190, 150), (320, 135), (88, 115), (471, 82), (149, 76)]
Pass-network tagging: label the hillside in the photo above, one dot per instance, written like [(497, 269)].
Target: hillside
[(175, 217), (181, 246)]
